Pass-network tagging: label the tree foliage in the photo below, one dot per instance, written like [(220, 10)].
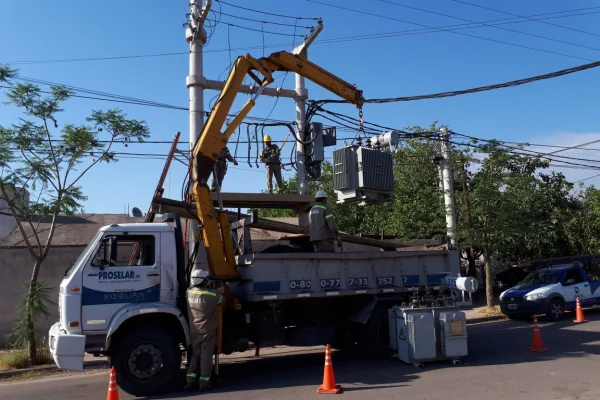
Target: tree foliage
[(41, 165)]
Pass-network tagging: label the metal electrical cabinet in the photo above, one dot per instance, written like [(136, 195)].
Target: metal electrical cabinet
[(453, 334), (413, 334), (363, 175), (419, 335)]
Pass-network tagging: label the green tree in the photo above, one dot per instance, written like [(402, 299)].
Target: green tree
[(517, 212), (583, 230), (36, 154)]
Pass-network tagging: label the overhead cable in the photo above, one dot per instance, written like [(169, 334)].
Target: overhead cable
[(491, 26), (382, 35), (266, 22), (261, 31), (519, 16), (265, 12), (447, 30), (477, 89)]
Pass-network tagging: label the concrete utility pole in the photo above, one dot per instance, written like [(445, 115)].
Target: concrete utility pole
[(197, 83), (195, 35), (448, 188), (301, 96)]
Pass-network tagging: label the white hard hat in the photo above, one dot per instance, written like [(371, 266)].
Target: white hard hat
[(321, 194), (198, 276)]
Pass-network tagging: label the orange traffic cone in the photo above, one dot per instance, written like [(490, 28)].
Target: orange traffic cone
[(113, 389), (328, 385), (537, 338), (579, 312)]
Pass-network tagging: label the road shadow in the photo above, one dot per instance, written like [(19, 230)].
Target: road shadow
[(353, 371), (496, 343), (508, 342)]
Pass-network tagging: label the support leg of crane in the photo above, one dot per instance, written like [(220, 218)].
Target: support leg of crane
[(218, 380)]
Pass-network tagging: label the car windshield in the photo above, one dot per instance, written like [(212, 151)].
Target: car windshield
[(545, 277)]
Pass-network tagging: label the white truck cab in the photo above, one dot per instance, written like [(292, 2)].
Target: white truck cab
[(108, 289)]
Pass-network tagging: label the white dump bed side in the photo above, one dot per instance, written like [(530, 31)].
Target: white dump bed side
[(296, 275)]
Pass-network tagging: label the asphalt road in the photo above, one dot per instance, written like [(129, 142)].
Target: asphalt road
[(499, 366)]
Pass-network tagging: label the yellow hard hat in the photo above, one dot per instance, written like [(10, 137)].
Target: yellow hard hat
[(267, 138)]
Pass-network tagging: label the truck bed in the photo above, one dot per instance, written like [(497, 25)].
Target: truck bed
[(296, 275)]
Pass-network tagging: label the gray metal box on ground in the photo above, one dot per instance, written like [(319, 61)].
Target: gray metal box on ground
[(421, 329), (453, 334), (437, 312), (412, 334)]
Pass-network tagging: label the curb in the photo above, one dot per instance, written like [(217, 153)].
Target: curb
[(486, 319), (51, 368)]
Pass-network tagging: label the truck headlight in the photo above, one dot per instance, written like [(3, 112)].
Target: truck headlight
[(535, 296), (502, 295)]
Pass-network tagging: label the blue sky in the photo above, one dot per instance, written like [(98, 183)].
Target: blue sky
[(559, 111)]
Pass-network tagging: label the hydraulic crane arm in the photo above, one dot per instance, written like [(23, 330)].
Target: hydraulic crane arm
[(215, 232)]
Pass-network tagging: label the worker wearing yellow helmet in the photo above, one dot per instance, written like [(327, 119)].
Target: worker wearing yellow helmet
[(271, 156)]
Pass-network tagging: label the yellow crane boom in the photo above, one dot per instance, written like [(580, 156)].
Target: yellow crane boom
[(215, 232)]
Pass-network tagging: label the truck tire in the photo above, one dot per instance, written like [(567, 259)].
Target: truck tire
[(147, 361), (556, 310), (376, 340)]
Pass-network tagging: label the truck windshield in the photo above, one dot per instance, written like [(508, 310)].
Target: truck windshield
[(546, 277), (84, 253)]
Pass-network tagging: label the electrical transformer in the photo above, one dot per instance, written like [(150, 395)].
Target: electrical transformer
[(419, 335), (363, 175)]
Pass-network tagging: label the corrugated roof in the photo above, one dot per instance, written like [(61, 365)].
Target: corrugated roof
[(78, 230), (70, 230)]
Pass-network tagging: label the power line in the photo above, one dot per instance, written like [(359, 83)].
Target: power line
[(259, 30), (549, 146), (265, 12), (448, 30), (266, 22), (515, 15), (585, 179), (497, 27), (477, 89), (121, 99), (383, 35), (516, 150), (93, 92)]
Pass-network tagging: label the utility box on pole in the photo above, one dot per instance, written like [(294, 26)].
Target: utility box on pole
[(316, 149)]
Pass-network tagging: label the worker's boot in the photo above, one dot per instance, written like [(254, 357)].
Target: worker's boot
[(204, 385), (192, 386)]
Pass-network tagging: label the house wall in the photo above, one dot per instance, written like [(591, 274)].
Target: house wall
[(16, 265), (7, 221)]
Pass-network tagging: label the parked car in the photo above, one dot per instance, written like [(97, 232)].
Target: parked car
[(550, 291), (511, 276)]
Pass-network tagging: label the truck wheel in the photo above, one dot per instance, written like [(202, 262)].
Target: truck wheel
[(377, 336), (147, 362), (556, 310)]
